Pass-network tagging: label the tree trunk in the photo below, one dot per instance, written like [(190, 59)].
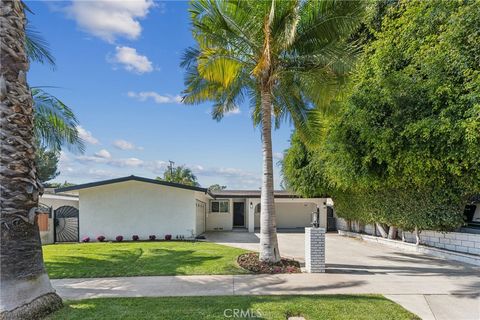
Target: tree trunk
[(381, 229), (392, 232), (417, 236), (349, 225), (26, 292), (268, 226)]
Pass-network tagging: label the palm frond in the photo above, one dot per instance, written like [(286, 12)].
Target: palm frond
[(55, 123), (37, 48)]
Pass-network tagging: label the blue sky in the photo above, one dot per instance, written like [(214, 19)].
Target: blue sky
[(117, 66)]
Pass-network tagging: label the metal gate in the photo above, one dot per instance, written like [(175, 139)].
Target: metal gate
[(66, 224)]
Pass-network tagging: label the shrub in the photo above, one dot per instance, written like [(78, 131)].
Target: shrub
[(135, 237), (119, 238), (168, 237), (86, 239), (152, 237), (101, 238)]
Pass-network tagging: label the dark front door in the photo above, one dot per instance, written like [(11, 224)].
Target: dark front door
[(238, 214)]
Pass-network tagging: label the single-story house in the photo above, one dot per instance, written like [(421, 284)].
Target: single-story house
[(140, 206)]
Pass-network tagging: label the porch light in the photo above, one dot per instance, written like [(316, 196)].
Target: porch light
[(251, 205)]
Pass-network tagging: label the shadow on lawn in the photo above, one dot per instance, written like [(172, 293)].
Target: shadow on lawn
[(118, 263), (263, 307)]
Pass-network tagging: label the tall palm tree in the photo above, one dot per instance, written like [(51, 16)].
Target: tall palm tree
[(26, 292), (284, 57)]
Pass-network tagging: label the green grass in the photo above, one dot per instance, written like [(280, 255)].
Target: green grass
[(88, 260), (337, 307)]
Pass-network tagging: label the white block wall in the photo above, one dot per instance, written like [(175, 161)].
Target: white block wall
[(453, 241), (315, 250)]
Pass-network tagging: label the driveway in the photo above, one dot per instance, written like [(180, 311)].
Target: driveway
[(431, 287)]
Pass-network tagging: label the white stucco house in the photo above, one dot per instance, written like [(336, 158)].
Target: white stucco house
[(140, 206)]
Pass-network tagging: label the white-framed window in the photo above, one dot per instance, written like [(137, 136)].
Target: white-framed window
[(219, 206)]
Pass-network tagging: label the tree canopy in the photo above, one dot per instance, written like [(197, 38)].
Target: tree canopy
[(180, 174), (404, 148)]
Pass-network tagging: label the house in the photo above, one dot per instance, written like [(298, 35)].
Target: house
[(140, 206)]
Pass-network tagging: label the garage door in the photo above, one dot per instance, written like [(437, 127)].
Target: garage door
[(294, 215), (200, 214)]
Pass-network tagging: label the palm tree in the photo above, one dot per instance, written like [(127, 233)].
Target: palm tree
[(55, 123), (26, 292), (180, 174), (284, 57)]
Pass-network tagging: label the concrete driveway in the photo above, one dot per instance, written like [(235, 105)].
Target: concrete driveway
[(431, 287)]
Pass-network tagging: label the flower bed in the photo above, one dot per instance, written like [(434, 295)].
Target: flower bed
[(250, 262)]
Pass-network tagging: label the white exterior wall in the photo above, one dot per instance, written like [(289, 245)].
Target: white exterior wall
[(136, 208), (217, 221)]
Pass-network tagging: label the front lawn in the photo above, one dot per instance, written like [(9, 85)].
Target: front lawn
[(89, 260), (352, 307)]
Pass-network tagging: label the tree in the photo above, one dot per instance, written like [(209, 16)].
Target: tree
[(26, 290), (283, 56), (46, 164), (216, 187), (180, 174), (403, 150), (55, 123)]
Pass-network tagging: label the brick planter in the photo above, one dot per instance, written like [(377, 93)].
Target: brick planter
[(315, 250)]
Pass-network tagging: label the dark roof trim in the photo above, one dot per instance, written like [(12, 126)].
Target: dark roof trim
[(255, 194), (277, 196), (130, 178)]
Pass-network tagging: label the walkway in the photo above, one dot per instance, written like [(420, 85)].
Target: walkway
[(430, 287)]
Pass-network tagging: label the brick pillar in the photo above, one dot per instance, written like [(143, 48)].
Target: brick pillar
[(315, 250)]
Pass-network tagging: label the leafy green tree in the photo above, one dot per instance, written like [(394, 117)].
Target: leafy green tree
[(280, 56), (46, 162), (216, 187), (180, 174), (404, 149)]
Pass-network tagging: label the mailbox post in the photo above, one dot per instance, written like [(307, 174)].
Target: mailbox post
[(315, 245)]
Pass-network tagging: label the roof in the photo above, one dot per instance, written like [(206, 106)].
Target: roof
[(130, 178), (212, 193), (250, 194)]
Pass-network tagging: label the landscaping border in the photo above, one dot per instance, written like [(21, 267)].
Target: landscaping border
[(410, 247)]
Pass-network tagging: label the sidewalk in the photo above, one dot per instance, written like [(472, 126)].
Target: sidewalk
[(448, 299)]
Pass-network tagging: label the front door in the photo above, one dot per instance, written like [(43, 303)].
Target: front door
[(238, 214)]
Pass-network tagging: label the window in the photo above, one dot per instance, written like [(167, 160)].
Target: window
[(219, 206)]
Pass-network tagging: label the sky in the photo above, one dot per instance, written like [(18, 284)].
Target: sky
[(117, 67)]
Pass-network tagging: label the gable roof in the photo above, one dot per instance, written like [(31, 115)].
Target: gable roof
[(130, 178)]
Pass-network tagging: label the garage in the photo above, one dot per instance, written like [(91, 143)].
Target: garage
[(294, 215), (200, 216), (290, 215)]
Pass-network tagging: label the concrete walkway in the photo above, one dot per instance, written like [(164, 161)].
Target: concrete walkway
[(429, 287)]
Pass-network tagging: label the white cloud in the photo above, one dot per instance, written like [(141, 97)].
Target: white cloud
[(278, 155), (108, 19), (233, 111), (87, 135), (157, 98), (128, 162), (131, 60), (125, 145), (121, 162), (104, 154), (232, 177)]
